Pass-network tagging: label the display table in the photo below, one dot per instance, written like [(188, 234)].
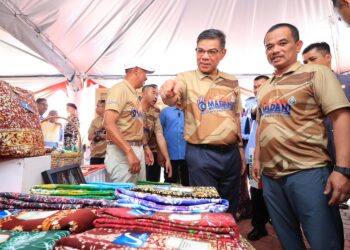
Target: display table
[(94, 173), (18, 175)]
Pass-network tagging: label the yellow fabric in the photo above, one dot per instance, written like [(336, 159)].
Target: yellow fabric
[(51, 131)]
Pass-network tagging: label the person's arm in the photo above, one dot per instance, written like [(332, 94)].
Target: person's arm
[(170, 92), (240, 143), (91, 131), (256, 172), (114, 134), (337, 183), (164, 150)]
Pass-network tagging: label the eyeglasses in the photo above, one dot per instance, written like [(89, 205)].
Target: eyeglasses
[(211, 52)]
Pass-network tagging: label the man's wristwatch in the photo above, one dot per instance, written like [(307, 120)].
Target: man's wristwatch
[(343, 170)]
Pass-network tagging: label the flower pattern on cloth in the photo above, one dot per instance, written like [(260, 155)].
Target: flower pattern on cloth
[(20, 130), (204, 225), (30, 240), (9, 200), (103, 238), (179, 191), (157, 203), (74, 220)]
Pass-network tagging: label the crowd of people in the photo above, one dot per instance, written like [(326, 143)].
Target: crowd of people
[(292, 138)]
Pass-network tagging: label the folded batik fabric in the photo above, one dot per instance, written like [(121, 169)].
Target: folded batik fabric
[(86, 190), (107, 238), (179, 191), (10, 200), (74, 220), (6, 213), (111, 185), (158, 203), (204, 225), (13, 240)]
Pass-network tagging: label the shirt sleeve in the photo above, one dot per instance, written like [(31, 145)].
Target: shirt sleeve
[(116, 99), (328, 92)]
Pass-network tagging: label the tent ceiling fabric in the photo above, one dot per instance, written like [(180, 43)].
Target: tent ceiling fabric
[(96, 37)]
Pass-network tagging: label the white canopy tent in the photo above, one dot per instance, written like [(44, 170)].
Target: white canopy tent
[(43, 42)]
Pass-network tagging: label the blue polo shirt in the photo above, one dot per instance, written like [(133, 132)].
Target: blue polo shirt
[(172, 120)]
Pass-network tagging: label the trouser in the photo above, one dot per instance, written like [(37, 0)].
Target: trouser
[(153, 171), (96, 160), (260, 215), (182, 177), (117, 165), (298, 200), (218, 167)]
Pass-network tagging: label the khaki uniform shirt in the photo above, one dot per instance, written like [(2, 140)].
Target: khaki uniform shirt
[(151, 127), (123, 98), (292, 108), (210, 107), (98, 149)]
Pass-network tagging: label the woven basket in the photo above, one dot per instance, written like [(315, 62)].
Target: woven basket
[(66, 158)]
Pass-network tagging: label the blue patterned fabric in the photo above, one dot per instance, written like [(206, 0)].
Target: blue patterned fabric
[(156, 203)]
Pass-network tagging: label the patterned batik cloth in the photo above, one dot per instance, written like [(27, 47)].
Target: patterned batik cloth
[(10, 200), (13, 240), (179, 191), (85, 190), (108, 238), (157, 203), (75, 220), (204, 225)]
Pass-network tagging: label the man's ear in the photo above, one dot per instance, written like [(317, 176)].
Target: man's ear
[(299, 45)]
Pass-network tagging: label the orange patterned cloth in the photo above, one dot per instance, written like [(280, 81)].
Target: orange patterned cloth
[(20, 130), (75, 220)]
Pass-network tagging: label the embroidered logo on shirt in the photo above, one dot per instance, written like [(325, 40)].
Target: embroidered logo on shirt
[(278, 106), (215, 104)]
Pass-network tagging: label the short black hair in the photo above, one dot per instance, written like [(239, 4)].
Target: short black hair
[(292, 28), (72, 105), (40, 100), (145, 87), (259, 77), (323, 47), (335, 2), (213, 34)]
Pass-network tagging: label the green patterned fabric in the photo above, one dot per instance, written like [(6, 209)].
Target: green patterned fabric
[(81, 191), (13, 240)]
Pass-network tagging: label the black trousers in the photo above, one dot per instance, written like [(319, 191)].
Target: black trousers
[(182, 177), (153, 171), (217, 166), (260, 213), (97, 161)]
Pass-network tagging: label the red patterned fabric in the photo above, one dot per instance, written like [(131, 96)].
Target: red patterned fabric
[(76, 221), (203, 225), (20, 130), (102, 238)]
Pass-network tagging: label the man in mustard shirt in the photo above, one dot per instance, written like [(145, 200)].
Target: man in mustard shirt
[(123, 122), (97, 135), (212, 104), (301, 187)]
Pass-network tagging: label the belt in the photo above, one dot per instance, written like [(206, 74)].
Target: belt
[(135, 143), (221, 148)]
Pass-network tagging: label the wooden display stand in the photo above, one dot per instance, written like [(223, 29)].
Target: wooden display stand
[(18, 175)]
